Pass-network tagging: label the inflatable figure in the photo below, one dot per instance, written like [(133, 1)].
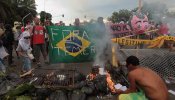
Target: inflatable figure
[(139, 22)]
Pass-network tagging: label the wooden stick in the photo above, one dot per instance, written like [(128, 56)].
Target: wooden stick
[(137, 50), (140, 6), (114, 58), (27, 73)]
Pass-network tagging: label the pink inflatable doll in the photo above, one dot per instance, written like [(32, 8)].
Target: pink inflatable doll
[(139, 23)]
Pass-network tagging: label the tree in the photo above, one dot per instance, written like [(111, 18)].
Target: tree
[(45, 16), (24, 7), (170, 14), (15, 10), (123, 14), (155, 10), (6, 11), (114, 18)]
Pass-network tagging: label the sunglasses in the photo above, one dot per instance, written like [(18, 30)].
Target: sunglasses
[(26, 37)]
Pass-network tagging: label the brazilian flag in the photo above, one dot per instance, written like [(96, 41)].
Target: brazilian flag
[(70, 44)]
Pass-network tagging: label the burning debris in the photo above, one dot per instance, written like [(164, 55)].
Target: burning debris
[(93, 74), (67, 84), (110, 83)]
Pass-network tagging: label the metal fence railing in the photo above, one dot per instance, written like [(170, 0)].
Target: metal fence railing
[(160, 60)]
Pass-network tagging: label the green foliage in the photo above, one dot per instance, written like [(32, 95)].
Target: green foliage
[(45, 16), (171, 14), (19, 90), (6, 11), (15, 10), (155, 11), (23, 98), (2, 74), (123, 14)]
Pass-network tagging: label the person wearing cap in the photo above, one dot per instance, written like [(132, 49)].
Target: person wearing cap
[(8, 40)]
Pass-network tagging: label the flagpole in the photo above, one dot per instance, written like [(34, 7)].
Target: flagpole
[(140, 6), (45, 10), (138, 37), (24, 18), (114, 58), (44, 4)]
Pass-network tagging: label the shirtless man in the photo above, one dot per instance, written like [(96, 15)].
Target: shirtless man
[(145, 79)]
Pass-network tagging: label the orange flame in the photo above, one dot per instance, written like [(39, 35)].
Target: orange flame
[(110, 83)]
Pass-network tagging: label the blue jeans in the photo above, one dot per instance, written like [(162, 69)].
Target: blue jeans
[(26, 64), (2, 67)]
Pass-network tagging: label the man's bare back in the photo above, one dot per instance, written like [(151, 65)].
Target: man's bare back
[(150, 82)]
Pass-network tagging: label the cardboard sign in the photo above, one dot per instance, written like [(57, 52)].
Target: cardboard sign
[(119, 28)]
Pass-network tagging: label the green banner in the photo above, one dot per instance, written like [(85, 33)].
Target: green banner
[(70, 44)]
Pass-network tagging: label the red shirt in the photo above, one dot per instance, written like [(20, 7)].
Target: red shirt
[(22, 29), (38, 35), (163, 29)]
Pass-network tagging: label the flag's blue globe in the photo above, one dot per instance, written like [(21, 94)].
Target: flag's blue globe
[(73, 44)]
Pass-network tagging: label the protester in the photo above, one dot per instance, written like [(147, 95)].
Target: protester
[(2, 66), (22, 29), (170, 45), (2, 30), (8, 40), (77, 22), (38, 41), (100, 28), (3, 54), (29, 27), (16, 37), (163, 30), (47, 23), (144, 83), (101, 38), (122, 21), (24, 49), (153, 29)]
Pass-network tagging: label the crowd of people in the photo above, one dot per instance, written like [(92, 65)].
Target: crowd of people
[(27, 41), (30, 41)]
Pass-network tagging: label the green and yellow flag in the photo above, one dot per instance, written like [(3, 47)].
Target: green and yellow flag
[(69, 44)]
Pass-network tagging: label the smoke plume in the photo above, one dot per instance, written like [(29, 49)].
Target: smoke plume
[(103, 42), (161, 11)]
